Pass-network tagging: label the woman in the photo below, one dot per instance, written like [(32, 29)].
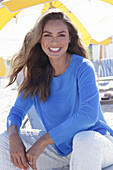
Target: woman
[(60, 82)]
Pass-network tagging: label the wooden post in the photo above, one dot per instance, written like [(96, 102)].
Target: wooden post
[(101, 50), (16, 17), (50, 4)]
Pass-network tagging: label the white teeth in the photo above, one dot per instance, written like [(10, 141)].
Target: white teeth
[(54, 49)]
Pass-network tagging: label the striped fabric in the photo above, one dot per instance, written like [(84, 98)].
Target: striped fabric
[(106, 68)]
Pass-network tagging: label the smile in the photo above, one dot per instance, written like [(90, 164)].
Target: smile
[(54, 49)]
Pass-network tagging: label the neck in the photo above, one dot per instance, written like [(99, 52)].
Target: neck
[(61, 65)]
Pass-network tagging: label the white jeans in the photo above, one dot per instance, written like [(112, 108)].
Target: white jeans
[(91, 151)]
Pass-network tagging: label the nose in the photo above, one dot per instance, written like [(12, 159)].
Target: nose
[(54, 39)]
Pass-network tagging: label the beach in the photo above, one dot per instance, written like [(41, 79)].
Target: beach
[(9, 94), (7, 98)]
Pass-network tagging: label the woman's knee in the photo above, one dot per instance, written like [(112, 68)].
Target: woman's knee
[(86, 152), (87, 141)]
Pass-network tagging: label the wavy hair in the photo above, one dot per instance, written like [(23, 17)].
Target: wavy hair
[(32, 61)]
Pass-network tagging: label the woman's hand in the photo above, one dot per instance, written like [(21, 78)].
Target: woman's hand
[(34, 152), (17, 149), (37, 148)]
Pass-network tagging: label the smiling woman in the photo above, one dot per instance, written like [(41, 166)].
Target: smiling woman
[(34, 41), (55, 44), (59, 81), (56, 41)]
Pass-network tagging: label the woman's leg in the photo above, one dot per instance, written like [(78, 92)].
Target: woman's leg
[(107, 157), (47, 160), (91, 151)]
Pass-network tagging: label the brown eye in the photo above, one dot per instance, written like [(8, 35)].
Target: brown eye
[(47, 35), (61, 35)]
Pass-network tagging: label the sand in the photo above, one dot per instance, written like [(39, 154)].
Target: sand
[(8, 96)]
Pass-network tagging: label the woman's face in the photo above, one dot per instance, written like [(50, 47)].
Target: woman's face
[(55, 39)]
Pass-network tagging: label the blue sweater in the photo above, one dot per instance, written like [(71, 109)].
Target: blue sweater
[(72, 106)]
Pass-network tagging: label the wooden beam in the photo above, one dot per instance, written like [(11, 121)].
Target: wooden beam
[(101, 50)]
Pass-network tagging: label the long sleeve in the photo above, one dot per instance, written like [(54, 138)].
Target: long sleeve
[(19, 110), (87, 114)]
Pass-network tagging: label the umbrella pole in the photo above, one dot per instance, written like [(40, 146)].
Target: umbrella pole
[(101, 49), (16, 17), (51, 5)]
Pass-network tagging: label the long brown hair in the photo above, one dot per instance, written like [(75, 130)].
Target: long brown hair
[(34, 63)]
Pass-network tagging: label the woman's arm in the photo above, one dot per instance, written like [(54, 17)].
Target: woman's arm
[(17, 148), (14, 121), (19, 110), (12, 130), (38, 147), (18, 154)]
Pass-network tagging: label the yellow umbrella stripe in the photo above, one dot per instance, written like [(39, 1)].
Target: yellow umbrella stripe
[(108, 1), (5, 16), (105, 42), (3, 69), (15, 5), (56, 4)]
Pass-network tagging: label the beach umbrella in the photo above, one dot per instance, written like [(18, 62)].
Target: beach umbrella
[(15, 5), (94, 22), (10, 8), (108, 1), (93, 18), (3, 69), (6, 16)]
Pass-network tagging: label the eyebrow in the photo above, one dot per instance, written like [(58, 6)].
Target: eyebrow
[(58, 32)]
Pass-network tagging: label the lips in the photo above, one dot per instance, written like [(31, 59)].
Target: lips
[(55, 49)]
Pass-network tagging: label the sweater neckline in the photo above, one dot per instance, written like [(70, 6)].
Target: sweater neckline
[(65, 71)]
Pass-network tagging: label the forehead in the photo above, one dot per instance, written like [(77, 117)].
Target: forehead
[(55, 25)]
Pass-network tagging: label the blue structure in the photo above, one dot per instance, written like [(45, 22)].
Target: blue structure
[(106, 68)]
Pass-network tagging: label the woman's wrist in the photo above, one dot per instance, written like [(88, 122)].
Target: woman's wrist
[(46, 139), (12, 130)]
